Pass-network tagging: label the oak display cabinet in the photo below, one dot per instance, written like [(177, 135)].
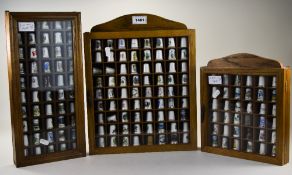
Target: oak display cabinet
[(245, 108), (45, 79), (140, 76)]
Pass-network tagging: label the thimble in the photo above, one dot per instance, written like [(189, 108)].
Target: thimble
[(137, 117), (161, 128), (147, 104), (248, 80), (110, 56), (63, 147), (263, 108), (260, 95), (49, 123), (183, 54), (273, 137), (136, 141), (111, 82), (112, 118), (47, 67), (61, 95), (125, 129), (147, 55), (185, 138), (237, 107), (225, 79), (99, 94), (135, 92), (50, 136), (48, 96), (124, 93), (25, 127), (149, 129), (45, 38), (25, 140), (183, 67), (262, 122), (172, 67), (215, 104), (123, 56), (58, 25), (113, 141), (134, 43), (225, 92), (45, 52), (124, 105), (134, 69), (171, 42), (236, 131), (109, 43), (146, 68), (249, 146), (262, 149), (100, 118), (22, 83), (61, 121), (137, 129), (215, 129), (158, 68), (171, 54), (160, 103), (249, 107), (20, 53), (23, 112), (274, 151), (60, 80), (215, 91), (274, 95), (19, 38), (69, 37), (38, 150), (248, 94), (109, 70), (33, 53), (110, 93), (185, 127), (97, 44), (146, 80), (49, 109), (23, 97), (160, 116), (237, 80), (134, 56), (149, 116), (214, 141), (58, 38), (158, 55), (101, 130), (160, 80), (98, 57), (262, 135), (184, 103), (160, 91), (125, 141), (58, 52), (36, 111), (125, 117), (274, 81), (112, 106), (236, 119), (237, 93), (173, 127), (171, 116), (112, 130), (226, 117), (170, 91), (147, 43), (171, 103), (123, 81), (47, 81), (136, 104), (34, 67), (159, 42), (45, 25), (148, 92), (122, 44), (184, 79), (236, 144), (170, 80), (215, 117), (183, 42), (274, 123), (261, 81), (136, 80), (224, 143), (226, 130), (36, 138), (61, 108), (274, 110), (101, 142)]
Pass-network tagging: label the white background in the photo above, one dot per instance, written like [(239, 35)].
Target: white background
[(223, 27)]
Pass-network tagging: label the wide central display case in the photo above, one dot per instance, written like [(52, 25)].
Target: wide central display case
[(141, 94)]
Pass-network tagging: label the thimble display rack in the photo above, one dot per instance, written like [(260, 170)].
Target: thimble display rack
[(245, 101), (44, 54), (140, 76)]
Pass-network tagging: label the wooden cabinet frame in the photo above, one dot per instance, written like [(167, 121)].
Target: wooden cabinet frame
[(243, 65), (123, 28), (12, 19)]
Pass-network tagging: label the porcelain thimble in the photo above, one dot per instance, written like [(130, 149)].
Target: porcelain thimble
[(101, 142), (248, 94), (215, 92), (147, 55), (137, 117), (260, 95), (45, 52), (58, 38), (170, 79), (123, 56), (34, 67), (273, 137), (262, 149), (101, 130), (58, 52), (49, 110), (136, 80), (125, 141), (274, 81), (171, 54), (159, 42), (25, 140), (249, 107), (20, 53), (183, 54), (147, 104), (183, 42), (134, 56), (136, 141), (137, 129), (38, 150), (214, 141), (263, 109), (171, 103), (111, 81), (274, 110), (185, 138), (171, 42), (261, 81), (149, 116), (226, 117), (274, 123), (25, 127), (33, 53), (134, 69), (215, 104), (171, 116), (236, 119), (160, 116), (45, 38), (262, 135), (184, 103), (237, 106), (113, 141), (112, 130), (172, 67), (98, 57), (147, 43), (274, 152), (215, 117), (122, 44), (124, 105), (23, 97), (215, 129), (135, 92), (183, 67), (226, 105), (158, 55), (112, 106), (97, 45), (160, 80), (160, 103), (237, 80), (226, 130), (173, 127), (148, 92), (236, 131), (36, 138), (160, 91), (236, 144), (185, 127), (149, 129), (136, 104), (158, 68), (134, 43), (146, 80), (184, 79)]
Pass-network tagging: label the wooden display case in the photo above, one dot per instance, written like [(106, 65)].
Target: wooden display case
[(45, 81), (245, 102), (141, 93)]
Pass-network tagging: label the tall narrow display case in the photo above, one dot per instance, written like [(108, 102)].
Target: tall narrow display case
[(141, 93), (246, 108), (46, 85)]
